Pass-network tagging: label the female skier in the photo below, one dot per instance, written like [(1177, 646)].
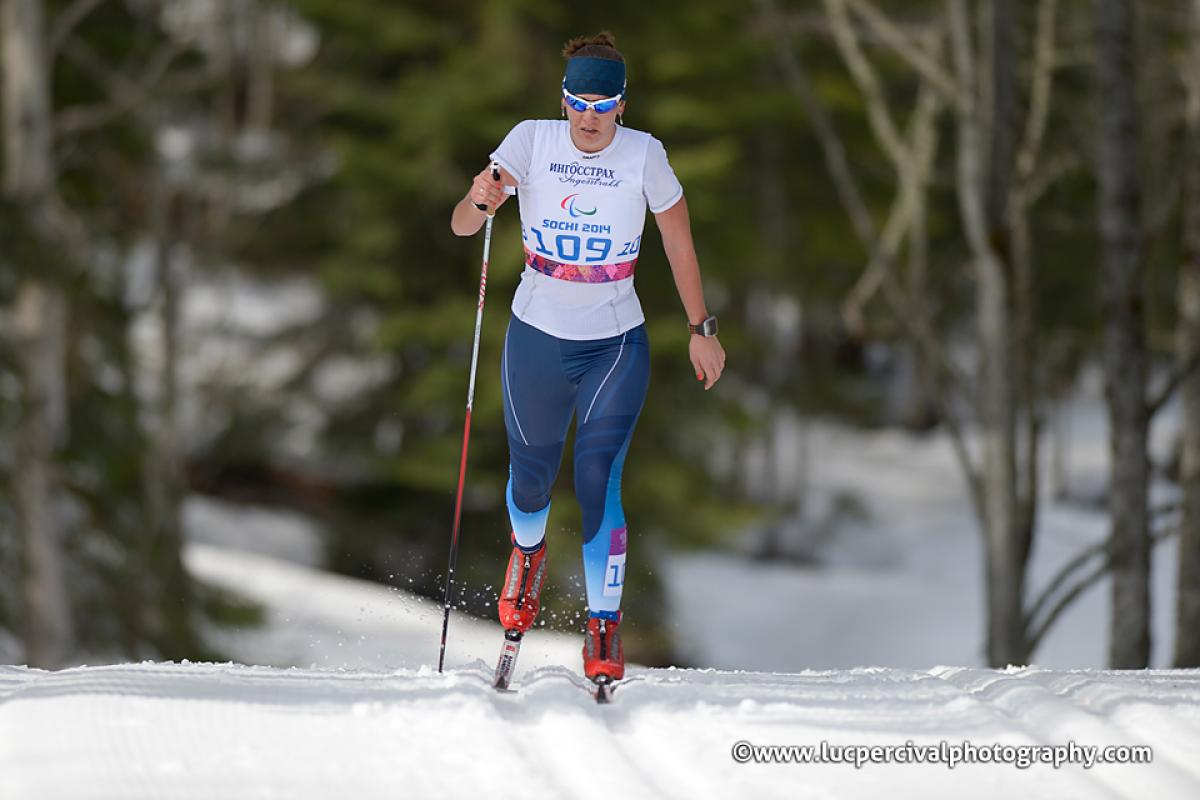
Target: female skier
[(576, 343)]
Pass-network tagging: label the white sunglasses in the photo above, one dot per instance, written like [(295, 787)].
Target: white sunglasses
[(601, 106)]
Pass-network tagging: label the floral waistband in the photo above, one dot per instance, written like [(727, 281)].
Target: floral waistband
[(580, 273)]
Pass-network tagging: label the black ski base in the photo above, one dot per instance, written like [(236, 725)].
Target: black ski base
[(507, 665), (604, 689)]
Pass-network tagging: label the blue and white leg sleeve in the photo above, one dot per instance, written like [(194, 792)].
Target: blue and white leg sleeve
[(529, 528), (604, 552)]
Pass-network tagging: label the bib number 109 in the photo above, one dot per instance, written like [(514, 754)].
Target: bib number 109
[(570, 247)]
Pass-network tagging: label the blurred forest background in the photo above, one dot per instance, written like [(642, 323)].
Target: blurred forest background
[(930, 214)]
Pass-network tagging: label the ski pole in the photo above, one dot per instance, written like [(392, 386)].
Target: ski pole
[(462, 465)]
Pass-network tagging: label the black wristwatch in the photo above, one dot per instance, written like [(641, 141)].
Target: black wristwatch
[(706, 328)]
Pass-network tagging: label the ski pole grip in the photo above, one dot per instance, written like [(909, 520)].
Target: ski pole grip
[(495, 177)]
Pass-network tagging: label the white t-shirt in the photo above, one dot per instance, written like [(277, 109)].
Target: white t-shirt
[(582, 216)]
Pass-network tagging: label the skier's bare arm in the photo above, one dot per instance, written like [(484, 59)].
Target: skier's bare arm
[(467, 219), (706, 353)]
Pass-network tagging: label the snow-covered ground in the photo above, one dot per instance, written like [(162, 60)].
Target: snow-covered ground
[(206, 731)]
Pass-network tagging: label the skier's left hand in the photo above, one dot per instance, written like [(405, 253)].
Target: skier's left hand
[(708, 359)]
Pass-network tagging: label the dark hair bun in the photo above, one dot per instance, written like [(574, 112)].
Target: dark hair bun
[(602, 45)]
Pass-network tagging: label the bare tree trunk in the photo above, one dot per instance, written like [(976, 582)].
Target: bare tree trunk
[(260, 78), (163, 463), (39, 322), (1028, 407), (1013, 536), (785, 488), (918, 404), (1060, 451), (1125, 359), (983, 209), (1022, 197), (1187, 629)]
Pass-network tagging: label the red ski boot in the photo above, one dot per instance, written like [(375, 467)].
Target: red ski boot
[(603, 655), (522, 594)]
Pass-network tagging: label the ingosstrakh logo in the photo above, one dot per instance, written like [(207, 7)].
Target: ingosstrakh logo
[(576, 175), (568, 205)]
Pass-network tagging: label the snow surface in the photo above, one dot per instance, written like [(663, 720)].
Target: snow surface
[(222, 730)]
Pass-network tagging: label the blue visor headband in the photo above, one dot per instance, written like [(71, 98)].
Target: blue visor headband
[(588, 75)]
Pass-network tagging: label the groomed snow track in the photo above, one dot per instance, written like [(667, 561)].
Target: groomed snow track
[(229, 731)]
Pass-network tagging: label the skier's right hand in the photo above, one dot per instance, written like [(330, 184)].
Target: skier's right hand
[(486, 190)]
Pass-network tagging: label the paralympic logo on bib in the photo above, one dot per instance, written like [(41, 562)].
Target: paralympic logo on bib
[(568, 205)]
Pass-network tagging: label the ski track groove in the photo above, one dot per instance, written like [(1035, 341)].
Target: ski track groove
[(649, 775), (847, 693), (1014, 724), (590, 722), (992, 690), (621, 725), (506, 705), (1166, 731), (223, 730), (515, 706)]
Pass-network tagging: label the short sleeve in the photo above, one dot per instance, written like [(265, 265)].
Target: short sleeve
[(659, 184), (515, 153)]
